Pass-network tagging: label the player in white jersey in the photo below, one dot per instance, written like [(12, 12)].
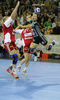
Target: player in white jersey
[(19, 43)]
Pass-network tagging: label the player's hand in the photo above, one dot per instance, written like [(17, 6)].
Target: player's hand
[(20, 25), (18, 3), (29, 16)]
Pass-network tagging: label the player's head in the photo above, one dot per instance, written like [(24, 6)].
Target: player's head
[(27, 24), (5, 18), (34, 17)]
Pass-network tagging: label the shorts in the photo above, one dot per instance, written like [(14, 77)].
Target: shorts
[(10, 46), (26, 49), (41, 40)]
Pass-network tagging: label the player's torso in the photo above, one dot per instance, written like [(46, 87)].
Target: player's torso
[(10, 31), (37, 31), (27, 35)]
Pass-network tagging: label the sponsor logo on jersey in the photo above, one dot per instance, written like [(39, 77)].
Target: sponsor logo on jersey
[(26, 49), (11, 46), (28, 34), (43, 42)]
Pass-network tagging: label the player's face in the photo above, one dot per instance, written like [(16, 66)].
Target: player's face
[(34, 17)]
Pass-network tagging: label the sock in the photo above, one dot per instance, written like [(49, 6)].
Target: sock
[(14, 70)]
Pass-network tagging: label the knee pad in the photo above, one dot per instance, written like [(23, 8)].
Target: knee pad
[(50, 46), (15, 58), (31, 50)]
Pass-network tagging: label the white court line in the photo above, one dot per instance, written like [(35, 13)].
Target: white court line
[(29, 77)]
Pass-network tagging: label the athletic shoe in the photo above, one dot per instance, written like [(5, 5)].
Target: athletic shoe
[(35, 58), (18, 68), (14, 74), (8, 70), (24, 72), (55, 43)]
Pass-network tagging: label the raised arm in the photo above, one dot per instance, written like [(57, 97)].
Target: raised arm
[(14, 13), (23, 26), (26, 26), (29, 18)]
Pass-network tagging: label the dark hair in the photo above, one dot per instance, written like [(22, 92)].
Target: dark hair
[(26, 23)]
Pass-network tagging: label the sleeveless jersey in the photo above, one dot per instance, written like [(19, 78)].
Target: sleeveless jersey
[(27, 36), (8, 30)]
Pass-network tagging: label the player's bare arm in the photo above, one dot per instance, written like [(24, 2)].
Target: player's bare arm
[(13, 14), (23, 26)]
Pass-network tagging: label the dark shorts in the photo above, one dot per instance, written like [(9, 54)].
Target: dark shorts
[(41, 40)]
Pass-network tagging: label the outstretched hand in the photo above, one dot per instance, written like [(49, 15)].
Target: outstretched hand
[(18, 27), (18, 3)]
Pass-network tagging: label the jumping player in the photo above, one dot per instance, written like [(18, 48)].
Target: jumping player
[(9, 40), (27, 36), (38, 36)]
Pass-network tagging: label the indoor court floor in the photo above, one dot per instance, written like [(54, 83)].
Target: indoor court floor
[(41, 83)]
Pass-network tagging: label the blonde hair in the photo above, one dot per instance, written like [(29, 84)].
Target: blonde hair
[(4, 18)]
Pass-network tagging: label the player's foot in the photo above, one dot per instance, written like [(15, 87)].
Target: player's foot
[(18, 68), (55, 43), (24, 72), (9, 69), (14, 74), (35, 58)]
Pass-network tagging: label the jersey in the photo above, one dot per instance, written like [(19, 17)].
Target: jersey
[(37, 31), (9, 35), (27, 36), (38, 36)]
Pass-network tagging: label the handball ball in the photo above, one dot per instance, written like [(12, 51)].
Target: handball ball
[(37, 10)]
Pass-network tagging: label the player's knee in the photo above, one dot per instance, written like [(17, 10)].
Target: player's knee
[(15, 58), (31, 50), (49, 48)]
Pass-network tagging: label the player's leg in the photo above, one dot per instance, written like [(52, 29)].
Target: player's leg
[(13, 51), (22, 62), (49, 46), (56, 43), (14, 62), (19, 66), (33, 51), (45, 43), (27, 57)]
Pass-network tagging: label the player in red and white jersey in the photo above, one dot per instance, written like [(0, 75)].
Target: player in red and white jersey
[(9, 40), (27, 37)]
